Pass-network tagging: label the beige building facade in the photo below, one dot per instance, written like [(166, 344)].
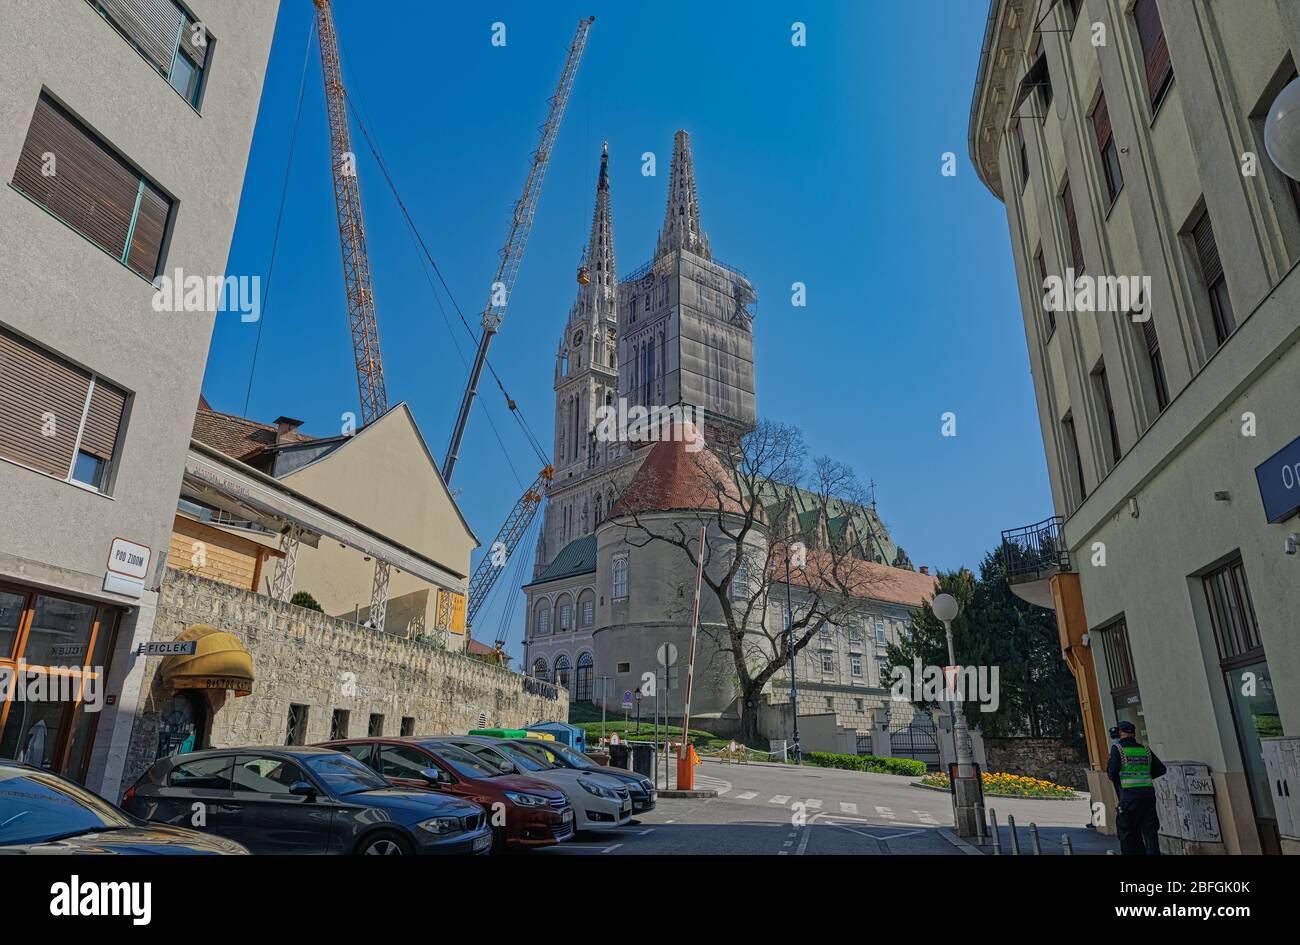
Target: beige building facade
[(1126, 140), (124, 135)]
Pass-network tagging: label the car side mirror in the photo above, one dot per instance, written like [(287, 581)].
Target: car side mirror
[(508, 767), (432, 775), (302, 789)]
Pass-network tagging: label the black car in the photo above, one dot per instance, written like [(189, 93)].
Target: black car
[(41, 812), (641, 788), (304, 800)]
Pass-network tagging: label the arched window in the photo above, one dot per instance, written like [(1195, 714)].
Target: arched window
[(582, 679), (650, 361), (540, 671), (619, 578), (542, 625), (740, 583), (562, 671), (564, 364), (564, 614), (586, 609)]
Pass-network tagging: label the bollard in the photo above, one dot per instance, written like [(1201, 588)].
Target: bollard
[(1033, 838), (1015, 841), (1066, 847), (993, 831)]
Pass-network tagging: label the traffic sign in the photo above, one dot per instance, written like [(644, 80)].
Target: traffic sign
[(627, 698), (667, 654)]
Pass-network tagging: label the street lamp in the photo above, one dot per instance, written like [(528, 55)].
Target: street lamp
[(966, 787), (1282, 130)]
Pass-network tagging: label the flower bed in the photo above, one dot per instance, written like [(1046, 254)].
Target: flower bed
[(999, 784)]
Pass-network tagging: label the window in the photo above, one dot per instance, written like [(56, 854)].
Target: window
[(828, 661), (1212, 276), (375, 727), (625, 667), (619, 576), (1024, 157), (1155, 51), (1073, 459), (1072, 229), (1042, 288), (1119, 657), (1036, 80), (858, 705), (855, 666), (1101, 389), (880, 631), (540, 670), (296, 729), (830, 704), (265, 774), (587, 610), (1152, 345), (408, 726), (1107, 149), (339, 724), (74, 175), (168, 38), (543, 617), (403, 761), (855, 634), (582, 679), (565, 613), (59, 419), (1232, 613), (740, 583), (209, 774), (562, 671)]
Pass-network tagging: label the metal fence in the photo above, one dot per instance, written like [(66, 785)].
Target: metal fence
[(1035, 551)]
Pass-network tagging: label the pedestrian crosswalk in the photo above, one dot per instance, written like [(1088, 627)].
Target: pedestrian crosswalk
[(915, 817)]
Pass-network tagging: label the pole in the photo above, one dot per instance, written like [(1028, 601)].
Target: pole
[(789, 655), (966, 788), (684, 765)]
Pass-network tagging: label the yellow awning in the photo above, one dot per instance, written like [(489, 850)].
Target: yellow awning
[(219, 661)]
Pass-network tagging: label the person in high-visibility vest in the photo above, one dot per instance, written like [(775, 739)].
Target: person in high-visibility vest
[(1133, 769)]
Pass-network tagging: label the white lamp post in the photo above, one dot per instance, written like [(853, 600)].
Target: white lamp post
[(1282, 130), (966, 787)]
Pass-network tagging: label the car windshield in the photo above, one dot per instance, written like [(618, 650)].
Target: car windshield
[(36, 807), (465, 764), (523, 759), (574, 759), (343, 774)]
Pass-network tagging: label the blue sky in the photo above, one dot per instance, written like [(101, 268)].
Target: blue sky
[(818, 164)]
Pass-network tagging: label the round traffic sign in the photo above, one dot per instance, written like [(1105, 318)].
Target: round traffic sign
[(667, 654)]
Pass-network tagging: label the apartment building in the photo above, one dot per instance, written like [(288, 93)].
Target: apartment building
[(1125, 138), (124, 132)]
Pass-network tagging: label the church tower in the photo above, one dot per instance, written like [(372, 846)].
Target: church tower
[(685, 319), (586, 377)]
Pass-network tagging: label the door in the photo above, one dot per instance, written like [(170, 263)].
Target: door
[(265, 817)]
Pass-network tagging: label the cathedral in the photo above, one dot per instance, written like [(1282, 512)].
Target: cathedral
[(676, 334)]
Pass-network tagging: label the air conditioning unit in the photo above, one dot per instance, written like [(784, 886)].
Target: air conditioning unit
[(1282, 761)]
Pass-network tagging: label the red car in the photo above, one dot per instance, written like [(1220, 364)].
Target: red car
[(536, 813)]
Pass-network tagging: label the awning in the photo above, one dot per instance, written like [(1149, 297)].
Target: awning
[(1036, 77), (219, 661)]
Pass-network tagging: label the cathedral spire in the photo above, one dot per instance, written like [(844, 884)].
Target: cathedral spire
[(681, 228), (597, 296)]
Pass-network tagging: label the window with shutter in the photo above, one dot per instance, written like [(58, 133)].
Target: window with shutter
[(55, 417), (1107, 149), (169, 39), (70, 172), (1042, 288), (1072, 228), (1212, 275), (1155, 51)]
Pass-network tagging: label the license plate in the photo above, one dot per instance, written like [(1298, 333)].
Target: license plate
[(483, 842), (567, 816)]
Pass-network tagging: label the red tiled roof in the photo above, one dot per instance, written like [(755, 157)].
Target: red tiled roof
[(482, 649), (673, 478), (864, 579), (237, 437)]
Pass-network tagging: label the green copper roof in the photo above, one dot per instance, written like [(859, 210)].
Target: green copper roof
[(871, 531), (577, 557)]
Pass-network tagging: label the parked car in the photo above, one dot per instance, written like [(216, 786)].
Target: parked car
[(305, 800), (600, 801), (41, 812), (536, 813), (641, 788)]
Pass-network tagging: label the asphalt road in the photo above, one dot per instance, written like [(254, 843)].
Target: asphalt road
[(781, 810)]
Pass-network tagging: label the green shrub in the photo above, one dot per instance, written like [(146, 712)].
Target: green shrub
[(306, 601), (908, 767)]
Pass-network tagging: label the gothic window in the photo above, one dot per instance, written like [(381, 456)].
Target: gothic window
[(562, 671), (650, 361), (619, 576), (740, 583), (564, 364), (540, 670)]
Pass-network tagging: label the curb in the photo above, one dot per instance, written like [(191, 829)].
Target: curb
[(695, 794), (959, 843)]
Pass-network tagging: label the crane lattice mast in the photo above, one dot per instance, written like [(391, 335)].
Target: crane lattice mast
[(352, 230), (512, 254), (507, 540)]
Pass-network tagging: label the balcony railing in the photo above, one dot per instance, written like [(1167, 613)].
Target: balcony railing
[(1035, 552)]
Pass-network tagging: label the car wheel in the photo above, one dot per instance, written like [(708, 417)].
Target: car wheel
[(384, 843)]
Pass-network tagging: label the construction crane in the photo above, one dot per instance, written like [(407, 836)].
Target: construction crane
[(512, 254), (356, 263), (493, 562), (352, 230)]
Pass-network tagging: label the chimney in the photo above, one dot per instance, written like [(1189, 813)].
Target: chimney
[(924, 569), (283, 427)]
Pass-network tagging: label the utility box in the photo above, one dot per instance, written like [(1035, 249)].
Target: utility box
[(1188, 811), (1282, 761), (562, 732)]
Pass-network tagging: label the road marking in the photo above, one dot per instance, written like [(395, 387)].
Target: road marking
[(611, 849), (788, 843), (746, 795), (780, 799), (803, 843), (925, 817), (885, 812), (813, 802), (642, 833), (848, 808)]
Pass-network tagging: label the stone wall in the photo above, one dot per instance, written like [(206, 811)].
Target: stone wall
[(1047, 758), (307, 658)]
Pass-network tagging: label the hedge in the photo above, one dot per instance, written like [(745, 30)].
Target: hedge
[(908, 767)]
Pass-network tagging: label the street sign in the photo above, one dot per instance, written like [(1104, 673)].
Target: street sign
[(168, 648), (1279, 483), (627, 698), (129, 558), (667, 655)]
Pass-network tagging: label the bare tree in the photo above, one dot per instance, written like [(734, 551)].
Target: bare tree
[(727, 488)]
